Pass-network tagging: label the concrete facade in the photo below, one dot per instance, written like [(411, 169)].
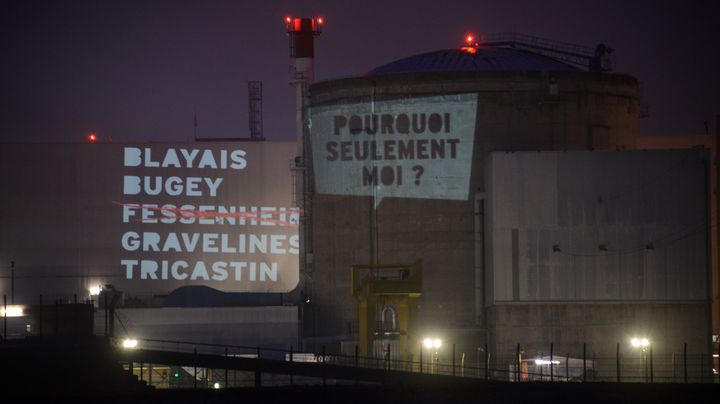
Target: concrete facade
[(708, 142), (589, 248), (597, 226), (515, 111)]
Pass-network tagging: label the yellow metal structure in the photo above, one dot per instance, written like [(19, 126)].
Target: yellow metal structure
[(387, 296)]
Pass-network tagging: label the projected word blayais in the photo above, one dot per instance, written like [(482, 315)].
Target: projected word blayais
[(415, 148), (186, 218)]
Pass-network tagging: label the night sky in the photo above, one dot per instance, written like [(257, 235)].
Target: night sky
[(140, 70)]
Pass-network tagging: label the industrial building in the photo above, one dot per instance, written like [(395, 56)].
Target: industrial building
[(547, 230), (491, 198)]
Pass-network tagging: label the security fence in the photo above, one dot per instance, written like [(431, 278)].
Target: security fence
[(643, 367)]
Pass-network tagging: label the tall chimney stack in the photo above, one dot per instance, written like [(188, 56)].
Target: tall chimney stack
[(302, 33)]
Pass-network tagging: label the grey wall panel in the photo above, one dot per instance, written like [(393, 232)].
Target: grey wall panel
[(628, 225)]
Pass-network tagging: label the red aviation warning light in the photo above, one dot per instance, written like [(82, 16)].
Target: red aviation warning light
[(471, 43), (299, 26), (92, 138), (302, 32)]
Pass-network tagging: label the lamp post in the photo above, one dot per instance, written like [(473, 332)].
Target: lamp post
[(642, 344), (433, 345), (12, 282)]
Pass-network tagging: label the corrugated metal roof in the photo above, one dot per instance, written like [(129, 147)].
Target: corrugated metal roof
[(483, 59)]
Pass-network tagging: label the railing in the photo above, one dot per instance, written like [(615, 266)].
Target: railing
[(624, 364), (642, 367), (598, 59)]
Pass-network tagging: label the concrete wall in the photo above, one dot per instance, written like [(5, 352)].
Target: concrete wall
[(586, 226), (275, 326), (550, 282), (694, 142)]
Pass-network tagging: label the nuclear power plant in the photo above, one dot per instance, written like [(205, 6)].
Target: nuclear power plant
[(507, 169), (490, 204)]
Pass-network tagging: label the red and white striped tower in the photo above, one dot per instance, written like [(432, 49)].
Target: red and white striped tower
[(302, 33)]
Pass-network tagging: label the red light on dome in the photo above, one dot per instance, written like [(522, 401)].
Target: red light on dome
[(92, 138), (469, 39)]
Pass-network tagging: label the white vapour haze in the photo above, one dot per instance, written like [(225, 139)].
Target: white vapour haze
[(416, 148)]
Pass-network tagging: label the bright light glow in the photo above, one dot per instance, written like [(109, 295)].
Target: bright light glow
[(12, 311), (432, 343), (95, 290), (129, 343), (546, 362), (288, 19), (639, 342), (469, 39), (216, 385), (320, 20), (92, 137)]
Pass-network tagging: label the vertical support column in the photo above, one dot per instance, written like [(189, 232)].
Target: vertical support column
[(57, 317), (258, 373), (487, 362), (453, 360), (716, 269), (357, 364), (421, 358), (651, 363), (105, 299), (323, 365), (75, 319), (552, 370), (617, 361), (518, 360), (40, 317), (584, 362), (673, 367), (685, 376), (12, 282), (5, 316)]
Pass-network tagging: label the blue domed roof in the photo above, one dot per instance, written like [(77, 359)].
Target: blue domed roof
[(464, 60)]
